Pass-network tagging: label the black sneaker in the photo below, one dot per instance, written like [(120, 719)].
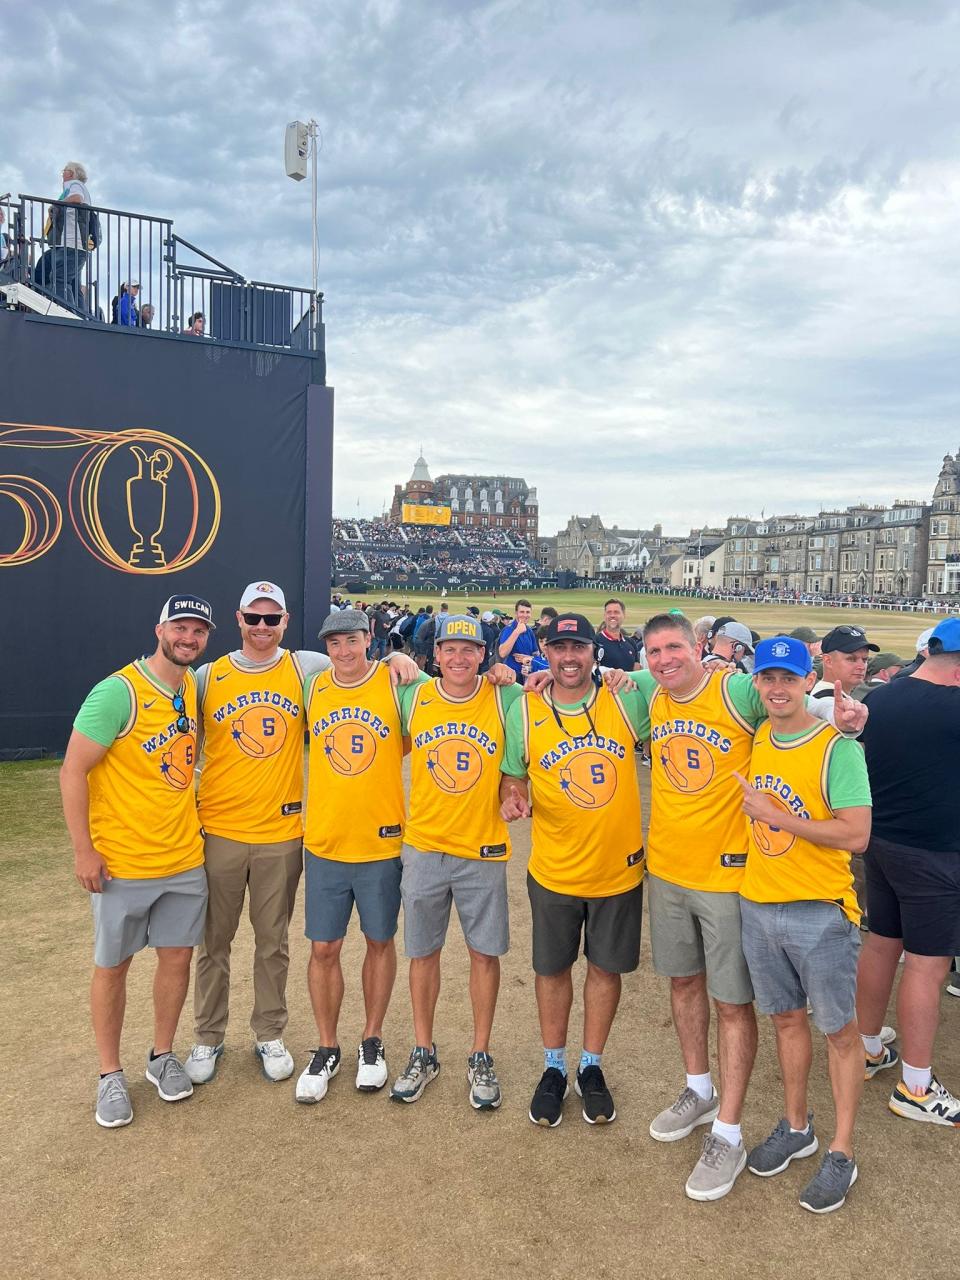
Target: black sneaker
[(598, 1105), (547, 1105)]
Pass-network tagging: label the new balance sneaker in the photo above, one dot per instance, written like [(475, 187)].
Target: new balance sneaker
[(784, 1144), (276, 1061), (167, 1073), (888, 1058), (547, 1105), (421, 1069), (936, 1106), (684, 1115), (113, 1101), (720, 1165), (598, 1105), (371, 1065), (827, 1189), (314, 1079), (201, 1062), (484, 1085)]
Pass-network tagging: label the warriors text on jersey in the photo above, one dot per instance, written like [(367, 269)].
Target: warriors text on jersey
[(251, 786), (697, 837), (143, 814), (456, 750), (586, 837), (783, 867), (355, 788)]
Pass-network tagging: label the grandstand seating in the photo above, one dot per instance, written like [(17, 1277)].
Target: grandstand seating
[(377, 546)]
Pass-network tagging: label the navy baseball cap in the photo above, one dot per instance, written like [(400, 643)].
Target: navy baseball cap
[(945, 637), (187, 607), (785, 653), (571, 626)]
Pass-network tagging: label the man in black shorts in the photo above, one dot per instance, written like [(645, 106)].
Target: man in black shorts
[(912, 742)]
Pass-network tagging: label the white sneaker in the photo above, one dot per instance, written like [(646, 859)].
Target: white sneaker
[(887, 1035), (276, 1062), (323, 1066), (202, 1062), (371, 1065)]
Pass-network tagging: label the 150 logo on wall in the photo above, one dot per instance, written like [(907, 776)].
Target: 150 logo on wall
[(139, 501)]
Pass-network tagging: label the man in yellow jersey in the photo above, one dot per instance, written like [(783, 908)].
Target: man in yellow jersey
[(128, 800), (701, 735), (570, 756), (807, 797), (354, 829), (456, 846)]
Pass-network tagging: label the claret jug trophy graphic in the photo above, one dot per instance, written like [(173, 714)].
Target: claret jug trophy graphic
[(147, 506)]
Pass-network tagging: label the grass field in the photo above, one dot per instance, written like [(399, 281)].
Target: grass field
[(238, 1181), (896, 632)]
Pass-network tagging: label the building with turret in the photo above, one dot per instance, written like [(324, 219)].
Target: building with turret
[(943, 554)]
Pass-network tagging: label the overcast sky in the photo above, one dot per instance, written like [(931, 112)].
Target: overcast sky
[(668, 260)]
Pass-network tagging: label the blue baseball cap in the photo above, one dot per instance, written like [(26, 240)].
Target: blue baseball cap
[(784, 653), (458, 626), (945, 637)]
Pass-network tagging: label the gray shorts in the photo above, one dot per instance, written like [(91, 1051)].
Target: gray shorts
[(333, 887), (801, 952), (610, 928), (694, 931), (431, 881), (168, 911)]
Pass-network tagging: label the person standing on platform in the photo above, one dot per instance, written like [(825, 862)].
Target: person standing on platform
[(128, 801)]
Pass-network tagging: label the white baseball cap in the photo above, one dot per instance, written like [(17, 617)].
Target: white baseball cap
[(263, 591), (923, 639)]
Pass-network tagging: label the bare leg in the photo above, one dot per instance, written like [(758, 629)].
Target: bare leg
[(918, 1006), (108, 1000), (554, 1001), (424, 994), (170, 984), (845, 1061), (691, 1017), (325, 985), (601, 995), (378, 976), (795, 1051), (484, 989), (736, 1049), (876, 971)]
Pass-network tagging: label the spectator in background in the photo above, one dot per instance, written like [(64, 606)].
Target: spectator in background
[(807, 636), (196, 324), (614, 649), (67, 230), (518, 640), (923, 641), (128, 313), (881, 669), (147, 312), (547, 615)]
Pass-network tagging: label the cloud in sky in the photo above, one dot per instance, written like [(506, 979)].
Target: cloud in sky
[(668, 262)]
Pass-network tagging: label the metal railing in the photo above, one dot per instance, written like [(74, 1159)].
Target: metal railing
[(131, 270)]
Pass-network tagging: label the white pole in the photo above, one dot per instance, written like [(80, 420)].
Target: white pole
[(313, 131)]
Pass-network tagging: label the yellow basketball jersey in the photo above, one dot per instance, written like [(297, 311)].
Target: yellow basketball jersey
[(143, 811), (456, 749), (586, 837), (355, 787), (783, 867), (697, 838), (251, 784)]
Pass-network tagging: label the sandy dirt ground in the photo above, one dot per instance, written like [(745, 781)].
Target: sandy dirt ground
[(240, 1181)]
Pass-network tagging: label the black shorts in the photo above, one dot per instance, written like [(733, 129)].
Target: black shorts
[(914, 894), (610, 927)]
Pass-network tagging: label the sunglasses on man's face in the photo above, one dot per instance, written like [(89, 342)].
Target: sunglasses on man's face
[(268, 619), (180, 707)]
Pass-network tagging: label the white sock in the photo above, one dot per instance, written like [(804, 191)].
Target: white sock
[(873, 1045), (701, 1085), (729, 1131), (917, 1079), (805, 1129)]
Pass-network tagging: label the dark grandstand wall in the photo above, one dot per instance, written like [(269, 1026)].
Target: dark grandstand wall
[(134, 465), (376, 584)]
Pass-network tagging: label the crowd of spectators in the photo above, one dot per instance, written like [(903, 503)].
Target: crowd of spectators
[(378, 546)]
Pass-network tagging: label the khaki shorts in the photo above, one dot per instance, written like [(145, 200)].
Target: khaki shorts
[(693, 931)]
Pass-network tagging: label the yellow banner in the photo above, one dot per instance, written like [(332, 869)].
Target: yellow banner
[(414, 514)]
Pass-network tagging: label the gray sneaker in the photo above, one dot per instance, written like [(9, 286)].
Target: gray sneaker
[(484, 1085), (421, 1069), (113, 1101), (775, 1153), (718, 1168), (167, 1073), (682, 1118), (828, 1189)]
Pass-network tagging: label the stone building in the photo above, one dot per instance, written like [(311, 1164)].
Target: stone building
[(943, 561), (475, 501)]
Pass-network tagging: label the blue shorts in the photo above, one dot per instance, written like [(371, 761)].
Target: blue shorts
[(800, 953), (333, 887)]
